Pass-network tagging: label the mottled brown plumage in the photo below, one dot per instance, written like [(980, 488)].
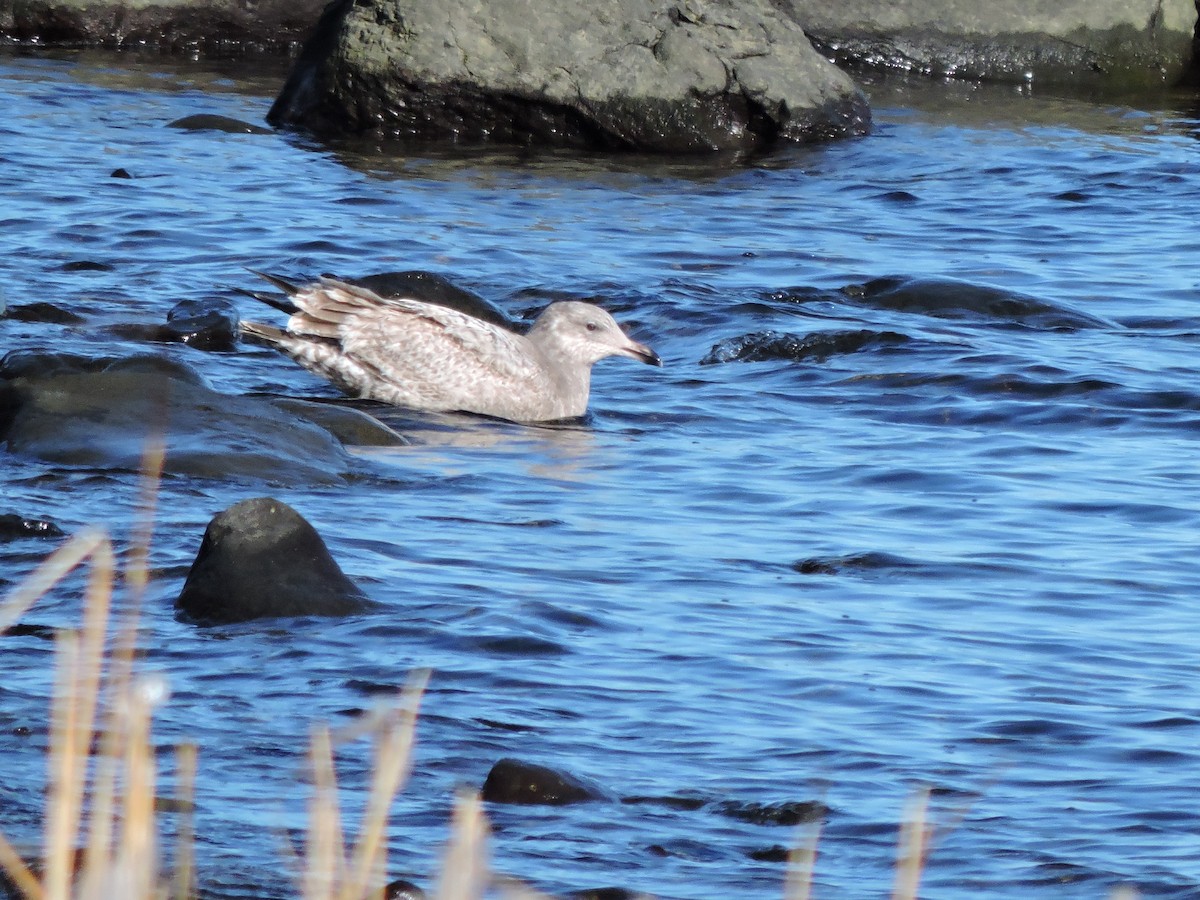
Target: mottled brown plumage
[(424, 356)]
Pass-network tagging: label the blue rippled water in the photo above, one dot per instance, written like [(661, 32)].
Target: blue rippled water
[(912, 502)]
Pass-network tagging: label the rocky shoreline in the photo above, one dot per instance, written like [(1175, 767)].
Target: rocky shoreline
[(660, 76)]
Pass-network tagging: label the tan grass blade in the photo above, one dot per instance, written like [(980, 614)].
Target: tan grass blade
[(185, 796), (912, 847), (802, 865), (464, 867)]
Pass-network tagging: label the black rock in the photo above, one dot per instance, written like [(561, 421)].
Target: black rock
[(261, 559), (14, 527), (41, 311), (208, 324), (98, 413), (401, 889), (517, 782), (795, 812)]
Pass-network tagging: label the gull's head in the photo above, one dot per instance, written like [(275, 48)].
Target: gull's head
[(586, 333)]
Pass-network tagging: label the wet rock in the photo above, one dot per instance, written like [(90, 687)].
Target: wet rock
[(946, 298), (14, 527), (795, 812), (871, 561), (400, 889), (261, 559), (608, 893), (217, 26), (41, 311), (649, 75), (88, 265), (767, 345), (351, 426), (775, 854), (1143, 43), (517, 782), (99, 413), (208, 324), (223, 124)]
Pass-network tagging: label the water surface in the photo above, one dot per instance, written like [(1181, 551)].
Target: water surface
[(957, 550)]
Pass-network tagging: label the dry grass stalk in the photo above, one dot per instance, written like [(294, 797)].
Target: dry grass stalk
[(333, 871), (802, 864), (464, 866), (912, 847)]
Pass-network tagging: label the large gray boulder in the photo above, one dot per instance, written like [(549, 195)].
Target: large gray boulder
[(652, 75), (1120, 43)]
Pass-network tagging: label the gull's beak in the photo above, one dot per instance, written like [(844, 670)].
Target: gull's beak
[(643, 353)]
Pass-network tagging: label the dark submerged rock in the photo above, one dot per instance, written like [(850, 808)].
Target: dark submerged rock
[(351, 426), (516, 782), (792, 812), (648, 75), (14, 527), (261, 559), (945, 298), (210, 122), (1143, 43), (818, 346), (41, 311), (100, 412), (401, 889), (208, 324), (608, 893), (216, 26)]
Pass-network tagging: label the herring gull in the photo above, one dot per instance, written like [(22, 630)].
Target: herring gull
[(429, 357)]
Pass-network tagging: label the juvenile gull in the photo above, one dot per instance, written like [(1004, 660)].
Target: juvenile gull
[(424, 356)]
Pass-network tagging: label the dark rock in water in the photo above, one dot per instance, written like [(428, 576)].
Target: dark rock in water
[(648, 75), (209, 324), (261, 559), (433, 288), (517, 782), (352, 427), (120, 173), (795, 812), (209, 122), (14, 527), (871, 561), (41, 311), (100, 412), (946, 298), (216, 26), (670, 802), (608, 893), (400, 889), (775, 853), (767, 345), (1122, 43), (88, 265)]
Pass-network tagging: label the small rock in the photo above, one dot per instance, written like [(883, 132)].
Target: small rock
[(14, 527), (261, 559), (400, 889), (517, 782), (795, 812)]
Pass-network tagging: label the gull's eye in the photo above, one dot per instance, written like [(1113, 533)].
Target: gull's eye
[(592, 326)]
